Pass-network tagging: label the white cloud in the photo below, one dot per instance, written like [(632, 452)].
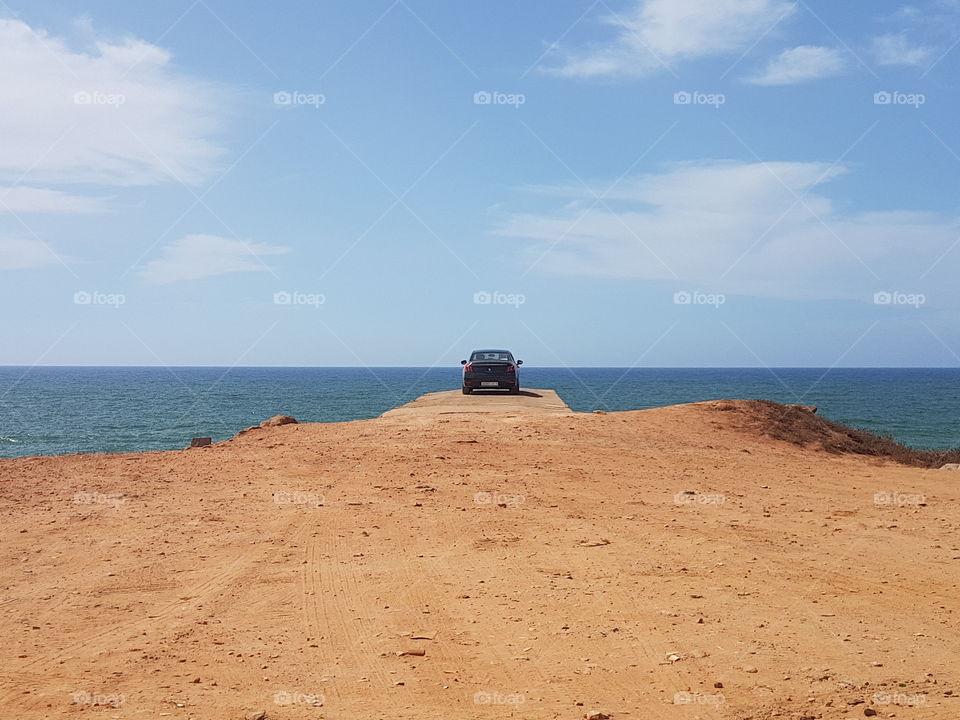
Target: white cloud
[(738, 228), (897, 50), (199, 256), (802, 64), (22, 253), (114, 113), (654, 33), (42, 200)]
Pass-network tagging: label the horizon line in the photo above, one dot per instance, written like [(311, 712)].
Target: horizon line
[(527, 366)]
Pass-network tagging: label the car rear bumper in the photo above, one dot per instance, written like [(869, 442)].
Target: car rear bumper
[(490, 383)]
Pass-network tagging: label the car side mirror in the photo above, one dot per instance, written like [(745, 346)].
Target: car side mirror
[(519, 362), (463, 362)]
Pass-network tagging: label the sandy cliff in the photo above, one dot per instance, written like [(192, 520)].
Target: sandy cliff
[(473, 557)]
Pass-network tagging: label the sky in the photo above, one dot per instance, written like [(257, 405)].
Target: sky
[(395, 182)]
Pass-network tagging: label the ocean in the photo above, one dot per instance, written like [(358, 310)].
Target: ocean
[(56, 410)]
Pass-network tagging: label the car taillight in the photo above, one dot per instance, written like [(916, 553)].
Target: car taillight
[(511, 368), (468, 368)]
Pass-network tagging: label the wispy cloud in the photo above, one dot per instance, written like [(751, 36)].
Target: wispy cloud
[(200, 256), (759, 228), (652, 35), (802, 64), (898, 50), (17, 253), (43, 200), (113, 113)]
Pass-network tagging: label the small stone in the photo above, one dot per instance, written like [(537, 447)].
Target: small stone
[(718, 684), (597, 715), (200, 442), (869, 712), (258, 715), (750, 669)]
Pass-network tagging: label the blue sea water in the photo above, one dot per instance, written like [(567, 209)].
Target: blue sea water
[(55, 410)]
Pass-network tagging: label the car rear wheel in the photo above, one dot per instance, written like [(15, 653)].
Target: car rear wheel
[(515, 390), (467, 391)]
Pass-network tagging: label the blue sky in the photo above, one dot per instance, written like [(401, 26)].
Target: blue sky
[(642, 182)]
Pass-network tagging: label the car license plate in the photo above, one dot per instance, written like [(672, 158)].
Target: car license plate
[(489, 384)]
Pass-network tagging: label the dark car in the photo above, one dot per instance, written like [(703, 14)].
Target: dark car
[(491, 369)]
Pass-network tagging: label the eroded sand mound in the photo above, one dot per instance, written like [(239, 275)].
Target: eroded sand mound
[(671, 563), (801, 426)]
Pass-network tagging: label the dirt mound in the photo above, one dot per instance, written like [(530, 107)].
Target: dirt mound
[(799, 425)]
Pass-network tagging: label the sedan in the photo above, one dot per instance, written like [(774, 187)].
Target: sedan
[(491, 370)]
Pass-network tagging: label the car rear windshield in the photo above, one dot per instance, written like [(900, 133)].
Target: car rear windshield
[(491, 356)]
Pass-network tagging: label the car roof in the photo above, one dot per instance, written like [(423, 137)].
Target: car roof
[(492, 351)]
